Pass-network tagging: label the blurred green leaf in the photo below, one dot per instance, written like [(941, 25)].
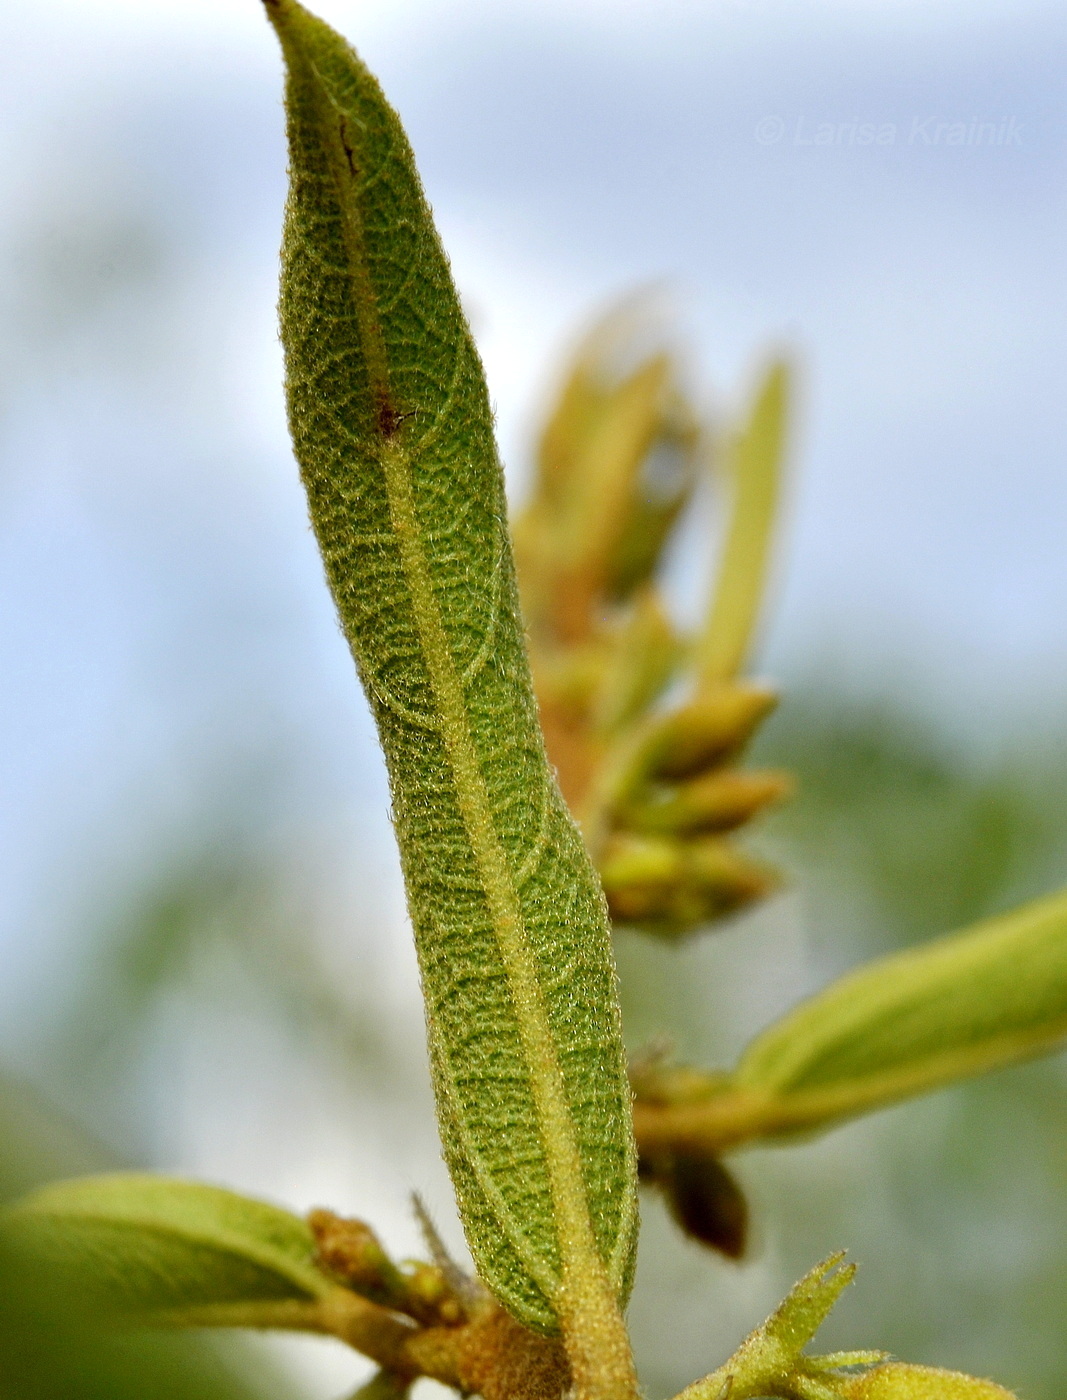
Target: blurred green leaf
[(754, 466), (51, 1345), (150, 1247), (51, 1348), (908, 1023)]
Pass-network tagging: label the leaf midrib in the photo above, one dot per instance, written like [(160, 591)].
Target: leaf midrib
[(577, 1247)]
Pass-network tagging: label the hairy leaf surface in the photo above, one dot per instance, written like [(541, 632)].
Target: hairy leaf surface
[(954, 1007), (393, 432), (148, 1246)]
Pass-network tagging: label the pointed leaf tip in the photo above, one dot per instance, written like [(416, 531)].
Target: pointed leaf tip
[(806, 1307), (770, 1361)]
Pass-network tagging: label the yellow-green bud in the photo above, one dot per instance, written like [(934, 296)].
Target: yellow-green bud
[(719, 801), (711, 727), (898, 1380)]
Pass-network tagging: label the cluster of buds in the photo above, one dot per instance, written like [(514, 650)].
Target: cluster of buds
[(349, 1251), (433, 1319), (644, 723)]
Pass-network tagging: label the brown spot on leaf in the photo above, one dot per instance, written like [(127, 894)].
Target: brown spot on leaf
[(389, 416), (350, 155)]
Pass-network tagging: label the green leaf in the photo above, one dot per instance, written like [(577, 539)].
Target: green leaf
[(393, 432), (146, 1246), (754, 470), (955, 1007)]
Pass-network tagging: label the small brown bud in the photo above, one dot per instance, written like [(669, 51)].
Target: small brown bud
[(707, 1203), (349, 1250)]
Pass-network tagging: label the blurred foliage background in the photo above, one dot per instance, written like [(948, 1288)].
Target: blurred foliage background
[(205, 965)]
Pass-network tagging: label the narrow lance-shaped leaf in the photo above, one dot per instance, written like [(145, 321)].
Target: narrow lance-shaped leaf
[(754, 464), (155, 1249), (393, 431)]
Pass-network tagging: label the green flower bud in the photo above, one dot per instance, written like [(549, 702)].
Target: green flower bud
[(898, 1380)]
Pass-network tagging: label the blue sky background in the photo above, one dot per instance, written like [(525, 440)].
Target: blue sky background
[(162, 598)]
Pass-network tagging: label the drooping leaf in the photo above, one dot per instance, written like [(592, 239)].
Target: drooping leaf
[(147, 1246), (393, 431), (954, 1007)]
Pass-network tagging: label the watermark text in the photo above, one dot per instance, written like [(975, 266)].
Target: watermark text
[(920, 131)]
